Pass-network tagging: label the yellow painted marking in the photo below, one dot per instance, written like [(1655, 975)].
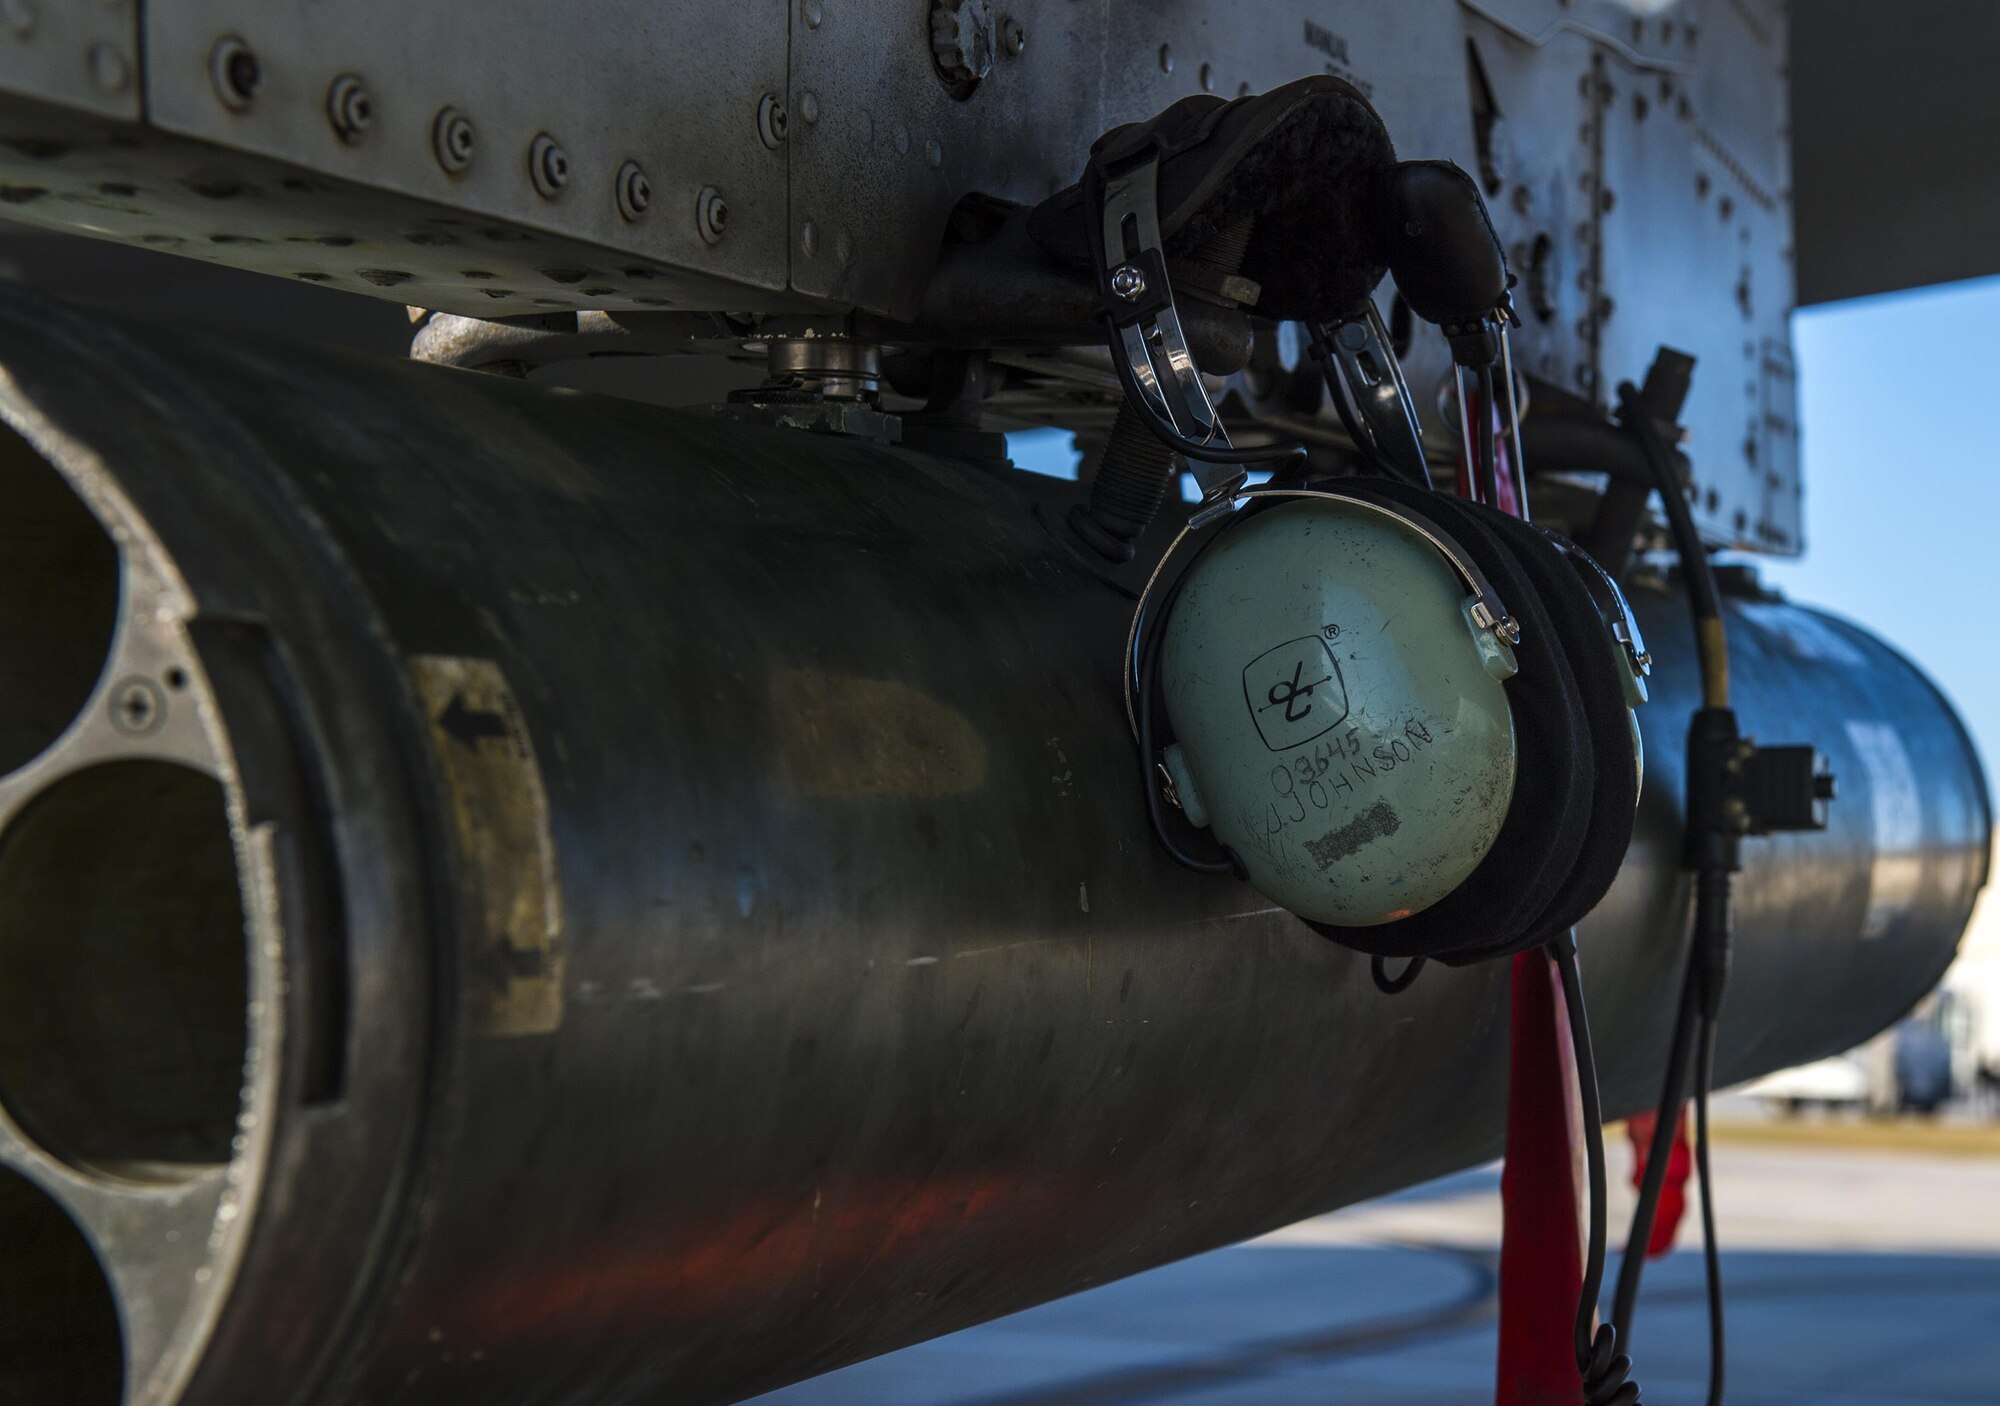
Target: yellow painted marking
[(500, 815)]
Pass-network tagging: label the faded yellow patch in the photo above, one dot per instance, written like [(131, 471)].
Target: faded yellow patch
[(500, 813), (842, 736)]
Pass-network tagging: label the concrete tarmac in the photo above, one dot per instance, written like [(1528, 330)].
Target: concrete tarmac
[(1853, 1277)]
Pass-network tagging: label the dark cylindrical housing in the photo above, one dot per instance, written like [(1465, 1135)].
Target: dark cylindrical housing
[(703, 927)]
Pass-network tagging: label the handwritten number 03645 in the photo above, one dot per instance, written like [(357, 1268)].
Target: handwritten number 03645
[(1282, 783)]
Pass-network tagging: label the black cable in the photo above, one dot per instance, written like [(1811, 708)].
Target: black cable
[(1712, 853), (1667, 1117), (1604, 1369), (1711, 1256), (1704, 596), (1378, 971)]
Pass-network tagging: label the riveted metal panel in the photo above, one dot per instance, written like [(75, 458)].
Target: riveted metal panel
[(81, 53), (673, 87), (883, 149), (1637, 173)]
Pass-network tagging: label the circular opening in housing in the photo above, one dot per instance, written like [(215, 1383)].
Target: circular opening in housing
[(58, 603), (123, 971), (59, 1334)]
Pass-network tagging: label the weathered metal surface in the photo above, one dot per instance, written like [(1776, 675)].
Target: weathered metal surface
[(674, 88), (64, 170), (877, 1012), (83, 56), (1634, 157)]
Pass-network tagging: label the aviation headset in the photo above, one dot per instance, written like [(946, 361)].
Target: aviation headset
[(1311, 166)]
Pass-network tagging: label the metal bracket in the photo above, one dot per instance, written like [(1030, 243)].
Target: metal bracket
[(1148, 345), (1366, 381)]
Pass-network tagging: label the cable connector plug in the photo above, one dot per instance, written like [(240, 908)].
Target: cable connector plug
[(1777, 790)]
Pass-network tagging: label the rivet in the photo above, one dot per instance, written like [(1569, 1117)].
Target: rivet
[(934, 153), (809, 237), (902, 135), (809, 106), (234, 72), (452, 139), (634, 192), (810, 11), (772, 120), (20, 16), (1013, 38), (548, 166), (1166, 58), (108, 68), (349, 108), (1207, 76), (711, 214)]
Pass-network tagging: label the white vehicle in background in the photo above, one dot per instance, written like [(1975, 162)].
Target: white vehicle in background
[(1837, 1083), (1930, 1057)]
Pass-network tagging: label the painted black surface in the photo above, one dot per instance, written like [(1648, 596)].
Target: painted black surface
[(882, 1015)]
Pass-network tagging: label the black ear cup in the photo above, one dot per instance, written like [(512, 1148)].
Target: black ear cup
[(1614, 795), (1570, 820)]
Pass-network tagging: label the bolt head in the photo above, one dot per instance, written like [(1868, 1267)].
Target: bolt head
[(138, 707), (548, 166), (234, 73), (962, 42), (633, 190), (1128, 283), (452, 140), (773, 122), (711, 215), (349, 108)]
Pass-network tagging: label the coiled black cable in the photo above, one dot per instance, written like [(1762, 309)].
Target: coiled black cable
[(1378, 971), (1605, 1370)]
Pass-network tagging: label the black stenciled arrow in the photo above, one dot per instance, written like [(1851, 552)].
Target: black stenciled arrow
[(469, 725)]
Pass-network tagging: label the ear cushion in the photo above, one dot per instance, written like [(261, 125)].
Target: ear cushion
[(1499, 908), (1614, 793)]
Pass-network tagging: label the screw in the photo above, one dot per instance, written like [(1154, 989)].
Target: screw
[(1128, 283), (548, 166), (634, 191), (452, 139), (138, 707), (711, 215), (1013, 38), (349, 108), (772, 120), (234, 72)]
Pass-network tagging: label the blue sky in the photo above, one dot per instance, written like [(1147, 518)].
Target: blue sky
[(1900, 413)]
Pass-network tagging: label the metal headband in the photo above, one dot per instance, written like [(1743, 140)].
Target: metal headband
[(1486, 609)]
